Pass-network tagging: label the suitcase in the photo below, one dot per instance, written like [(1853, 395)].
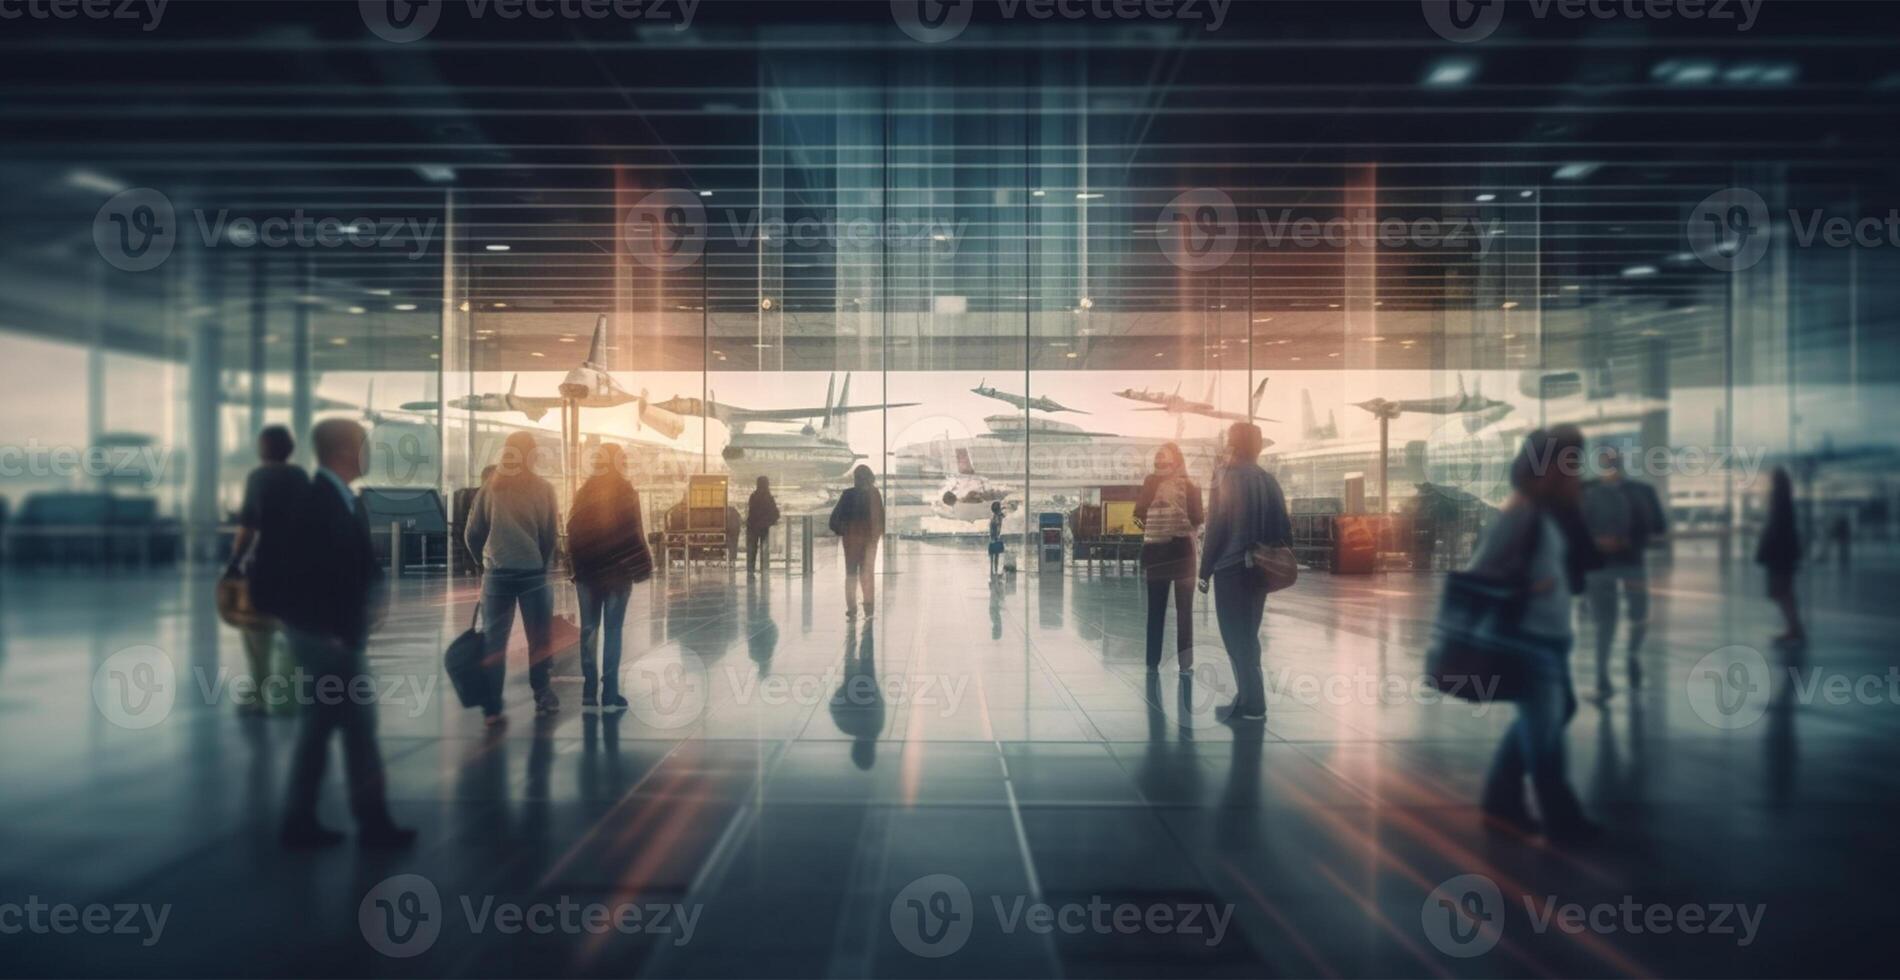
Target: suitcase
[(463, 663)]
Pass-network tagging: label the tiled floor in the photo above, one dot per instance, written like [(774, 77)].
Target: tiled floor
[(786, 780)]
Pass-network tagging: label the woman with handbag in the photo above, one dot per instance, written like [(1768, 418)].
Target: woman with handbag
[(1531, 548), (1246, 511), (512, 527), (1169, 512), (608, 550)]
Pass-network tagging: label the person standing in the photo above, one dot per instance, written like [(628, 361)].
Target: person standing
[(858, 521), (328, 621), (1624, 517), (272, 493), (761, 513), (511, 528), (607, 548), (1529, 545), (1246, 509), (1169, 512), (996, 539), (1779, 551)]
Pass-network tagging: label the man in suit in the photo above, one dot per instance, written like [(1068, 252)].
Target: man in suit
[(328, 623)]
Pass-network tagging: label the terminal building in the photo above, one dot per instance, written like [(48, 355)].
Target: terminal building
[(995, 262)]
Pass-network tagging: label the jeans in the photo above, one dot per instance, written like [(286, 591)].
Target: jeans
[(603, 612), (1534, 744), (1240, 602), (335, 706), (860, 570), (502, 590), (1602, 593), (755, 545), (1183, 620)]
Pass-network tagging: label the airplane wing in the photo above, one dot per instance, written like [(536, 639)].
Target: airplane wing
[(1236, 417), (743, 415)]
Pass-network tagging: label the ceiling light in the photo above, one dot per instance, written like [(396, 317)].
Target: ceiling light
[(339, 341), (536, 353), (1510, 304), (498, 248), (1486, 198), (435, 173), (705, 193), (1374, 339), (1086, 196), (1451, 73), (1037, 193), (1158, 353), (405, 307), (1526, 193), (1086, 303), (1071, 354), (501, 306), (1576, 171), (1639, 271), (1264, 319), (357, 310), (90, 181), (766, 303), (380, 292), (568, 339)]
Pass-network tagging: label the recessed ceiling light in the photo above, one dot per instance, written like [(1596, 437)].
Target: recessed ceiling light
[(1264, 319), (1333, 354), (1375, 339), (1087, 196), (1071, 354), (1576, 171), (501, 306), (405, 307), (1639, 271), (1486, 198), (536, 353), (339, 342), (357, 310), (567, 340), (1158, 353), (705, 193), (1451, 72), (498, 248), (1037, 193), (1510, 304), (380, 292), (1526, 193)]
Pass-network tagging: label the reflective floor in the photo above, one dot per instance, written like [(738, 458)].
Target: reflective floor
[(795, 795)]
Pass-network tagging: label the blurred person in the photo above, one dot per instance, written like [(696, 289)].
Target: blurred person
[(337, 603), (1170, 514), (858, 521), (272, 493), (511, 530), (1779, 551), (761, 513), (1245, 508), (1839, 542), (995, 546), (1625, 517), (1530, 544), (607, 549)]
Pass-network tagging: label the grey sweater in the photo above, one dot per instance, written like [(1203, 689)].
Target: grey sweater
[(512, 524)]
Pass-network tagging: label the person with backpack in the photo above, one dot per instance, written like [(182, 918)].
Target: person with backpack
[(1246, 509), (858, 521), (511, 529), (607, 549), (1625, 518), (761, 513), (1534, 545)]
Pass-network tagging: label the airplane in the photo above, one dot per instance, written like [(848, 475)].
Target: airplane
[(1041, 404), (236, 393), (967, 495), (812, 457), (1180, 407), (1311, 431), (1459, 404), (591, 384)]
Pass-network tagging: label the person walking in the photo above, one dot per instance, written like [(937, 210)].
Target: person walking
[(996, 539), (761, 513), (1625, 517), (1246, 509), (607, 549), (1529, 545), (328, 620), (272, 493), (858, 521), (511, 527), (1779, 551), (1169, 512)]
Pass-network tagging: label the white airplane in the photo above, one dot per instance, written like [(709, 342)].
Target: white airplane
[(815, 456), (967, 496), (1181, 408)]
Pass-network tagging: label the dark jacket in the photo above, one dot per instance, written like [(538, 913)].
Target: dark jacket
[(859, 517), (273, 497), (338, 582), (1176, 559), (1779, 549), (1245, 508), (606, 544), (761, 511)]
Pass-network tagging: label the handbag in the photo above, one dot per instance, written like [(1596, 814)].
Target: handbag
[(463, 663), (1278, 562), (1478, 650), (234, 604)]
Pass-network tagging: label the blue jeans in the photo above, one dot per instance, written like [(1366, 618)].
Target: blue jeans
[(603, 612), (502, 590), (1240, 602), (1534, 744)]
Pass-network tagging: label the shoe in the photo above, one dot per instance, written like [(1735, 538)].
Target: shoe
[(613, 702), (1230, 713), (388, 837), (589, 701), (1187, 670), (851, 612), (869, 611), (309, 837), (546, 703), (496, 720)]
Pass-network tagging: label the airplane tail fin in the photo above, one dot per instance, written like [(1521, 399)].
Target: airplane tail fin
[(512, 382), (596, 352), (964, 466), (1253, 406), (1332, 425), (837, 424), (1308, 428)]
